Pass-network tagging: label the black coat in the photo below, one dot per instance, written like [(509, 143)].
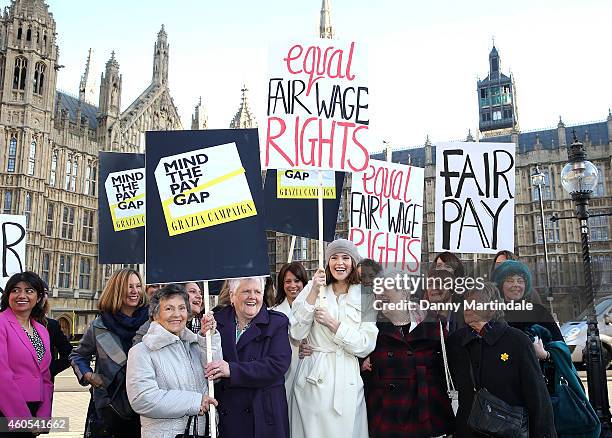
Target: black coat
[(505, 363), (60, 348)]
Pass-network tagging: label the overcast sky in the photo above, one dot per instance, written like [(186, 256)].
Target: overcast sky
[(424, 57)]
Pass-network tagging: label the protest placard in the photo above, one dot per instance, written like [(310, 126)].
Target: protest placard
[(203, 188), (387, 214), (121, 206), (204, 206), (304, 184), (13, 260), (298, 215), (317, 107), (474, 204)]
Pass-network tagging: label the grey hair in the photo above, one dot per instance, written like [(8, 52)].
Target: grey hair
[(165, 293), (488, 293), (234, 283)]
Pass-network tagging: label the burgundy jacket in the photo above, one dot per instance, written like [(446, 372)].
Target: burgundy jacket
[(406, 393)]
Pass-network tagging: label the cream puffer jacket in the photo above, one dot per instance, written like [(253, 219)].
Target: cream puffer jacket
[(165, 380)]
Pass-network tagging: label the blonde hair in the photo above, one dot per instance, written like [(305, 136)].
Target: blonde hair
[(117, 286), (224, 295)]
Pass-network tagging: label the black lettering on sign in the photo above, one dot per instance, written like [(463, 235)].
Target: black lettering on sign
[(8, 246)]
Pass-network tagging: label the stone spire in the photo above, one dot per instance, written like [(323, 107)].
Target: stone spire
[(609, 126), (86, 87), (160, 58), (325, 27), (428, 151), (561, 133), (199, 120), (244, 118), (469, 137), (110, 91)]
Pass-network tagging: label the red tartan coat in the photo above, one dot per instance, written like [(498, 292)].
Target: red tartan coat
[(406, 393)]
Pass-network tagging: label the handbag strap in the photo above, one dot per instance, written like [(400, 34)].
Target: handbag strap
[(186, 434), (450, 386), (469, 358)]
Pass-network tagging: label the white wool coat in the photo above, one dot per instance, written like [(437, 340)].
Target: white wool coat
[(165, 380), (285, 308), (328, 398)]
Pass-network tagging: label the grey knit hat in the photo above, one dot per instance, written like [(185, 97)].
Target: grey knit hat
[(342, 246)]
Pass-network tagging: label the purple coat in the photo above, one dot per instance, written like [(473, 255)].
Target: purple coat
[(252, 401)]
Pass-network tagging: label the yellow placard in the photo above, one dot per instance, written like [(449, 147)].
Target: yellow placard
[(209, 218), (304, 192), (127, 223)]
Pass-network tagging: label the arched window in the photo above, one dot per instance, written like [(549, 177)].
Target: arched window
[(53, 169), (12, 155), (87, 186), (28, 209), (29, 35), (75, 169), (39, 77), (94, 172), (68, 170), (19, 32), (8, 202), (2, 62), (19, 76), (32, 158)]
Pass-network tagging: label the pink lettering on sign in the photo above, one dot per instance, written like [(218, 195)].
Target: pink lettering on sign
[(313, 142), (388, 184), (331, 63)]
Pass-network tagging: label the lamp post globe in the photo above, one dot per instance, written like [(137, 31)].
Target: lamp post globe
[(579, 177)]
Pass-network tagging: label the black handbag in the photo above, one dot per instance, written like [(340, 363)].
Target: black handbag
[(192, 432), (493, 417)]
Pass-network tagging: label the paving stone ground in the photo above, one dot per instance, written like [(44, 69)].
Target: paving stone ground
[(71, 400)]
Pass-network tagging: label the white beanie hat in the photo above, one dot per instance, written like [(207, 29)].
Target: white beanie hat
[(342, 246)]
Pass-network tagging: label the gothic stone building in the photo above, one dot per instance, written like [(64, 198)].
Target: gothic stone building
[(49, 145), (546, 149)]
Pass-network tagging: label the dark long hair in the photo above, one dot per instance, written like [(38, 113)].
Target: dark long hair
[(36, 283), (452, 260), (297, 269)]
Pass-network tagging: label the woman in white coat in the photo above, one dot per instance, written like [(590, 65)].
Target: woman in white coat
[(328, 399), (290, 281), (165, 372)]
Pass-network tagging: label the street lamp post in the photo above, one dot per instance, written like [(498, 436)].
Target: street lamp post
[(538, 179), (579, 179)]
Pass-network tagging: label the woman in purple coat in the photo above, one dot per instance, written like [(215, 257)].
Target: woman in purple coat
[(250, 380)]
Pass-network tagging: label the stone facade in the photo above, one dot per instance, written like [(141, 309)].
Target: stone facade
[(546, 148), (49, 145)]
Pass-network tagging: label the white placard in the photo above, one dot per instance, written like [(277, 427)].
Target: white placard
[(13, 229), (387, 214), (317, 111), (474, 204)]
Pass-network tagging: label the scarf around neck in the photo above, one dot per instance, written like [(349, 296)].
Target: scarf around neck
[(124, 326)]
